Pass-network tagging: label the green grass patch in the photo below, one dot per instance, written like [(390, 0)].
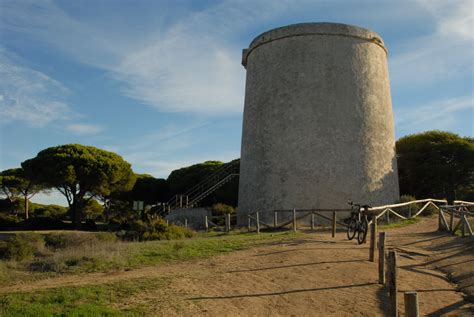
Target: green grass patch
[(205, 246), (113, 299), (103, 256), (91, 300), (401, 223)]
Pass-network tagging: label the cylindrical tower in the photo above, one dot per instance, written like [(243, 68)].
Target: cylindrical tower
[(318, 124)]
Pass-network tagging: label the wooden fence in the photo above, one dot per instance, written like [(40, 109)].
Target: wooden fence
[(255, 219), (457, 214), (412, 209)]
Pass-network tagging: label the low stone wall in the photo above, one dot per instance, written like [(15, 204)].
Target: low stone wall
[(194, 216)]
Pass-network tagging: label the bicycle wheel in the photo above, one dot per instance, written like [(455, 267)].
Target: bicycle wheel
[(362, 232), (351, 228)]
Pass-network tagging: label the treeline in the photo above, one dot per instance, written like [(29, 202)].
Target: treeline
[(98, 184)]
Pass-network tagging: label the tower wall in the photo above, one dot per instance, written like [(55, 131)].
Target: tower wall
[(318, 124)]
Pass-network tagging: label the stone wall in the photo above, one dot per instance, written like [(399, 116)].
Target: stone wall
[(195, 217)]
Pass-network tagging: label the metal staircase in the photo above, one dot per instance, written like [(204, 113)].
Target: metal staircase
[(206, 187)]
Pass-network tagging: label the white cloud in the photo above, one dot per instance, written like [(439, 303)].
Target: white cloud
[(195, 65), (29, 95), (435, 115), (173, 146), (164, 167), (190, 65), (84, 129), (151, 151), (455, 17), (48, 23), (442, 55)]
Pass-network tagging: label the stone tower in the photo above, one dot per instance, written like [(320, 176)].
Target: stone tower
[(318, 123)]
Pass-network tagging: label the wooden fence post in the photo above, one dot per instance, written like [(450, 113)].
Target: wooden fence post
[(409, 212), (411, 304), (387, 216), (463, 224), (392, 283), (167, 223), (206, 224), (227, 224), (249, 222), (451, 221), (382, 258), (180, 201), (185, 222), (373, 239), (258, 222), (333, 224), (441, 221), (440, 226), (275, 219), (294, 220), (312, 221)]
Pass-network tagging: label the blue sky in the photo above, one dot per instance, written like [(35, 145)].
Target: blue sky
[(160, 82)]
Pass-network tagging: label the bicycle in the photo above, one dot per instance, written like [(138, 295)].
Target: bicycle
[(358, 223)]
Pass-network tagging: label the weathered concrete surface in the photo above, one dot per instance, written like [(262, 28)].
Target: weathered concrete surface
[(195, 217), (318, 124)]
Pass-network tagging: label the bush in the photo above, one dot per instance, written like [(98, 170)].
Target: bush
[(50, 211), (45, 223), (176, 232), (58, 241), (3, 249), (9, 221), (23, 246), (222, 209), (155, 229), (89, 225), (106, 236), (406, 210)]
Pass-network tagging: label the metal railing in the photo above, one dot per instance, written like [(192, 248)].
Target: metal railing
[(204, 188)]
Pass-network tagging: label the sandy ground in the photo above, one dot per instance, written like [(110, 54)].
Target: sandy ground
[(314, 275)]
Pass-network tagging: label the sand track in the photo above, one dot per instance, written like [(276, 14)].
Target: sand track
[(314, 275)]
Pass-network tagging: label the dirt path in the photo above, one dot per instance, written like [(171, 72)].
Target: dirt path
[(315, 275)]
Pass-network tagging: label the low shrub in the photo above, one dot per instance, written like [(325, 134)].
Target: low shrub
[(176, 232), (45, 223), (90, 225), (155, 229), (222, 209), (3, 249), (49, 211), (85, 257), (58, 241), (9, 221), (410, 209), (106, 236), (23, 246)]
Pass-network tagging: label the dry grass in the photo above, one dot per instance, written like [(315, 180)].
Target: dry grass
[(84, 252), (87, 257)]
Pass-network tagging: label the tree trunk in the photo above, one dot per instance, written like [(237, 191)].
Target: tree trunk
[(76, 215), (106, 210), (26, 207)]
